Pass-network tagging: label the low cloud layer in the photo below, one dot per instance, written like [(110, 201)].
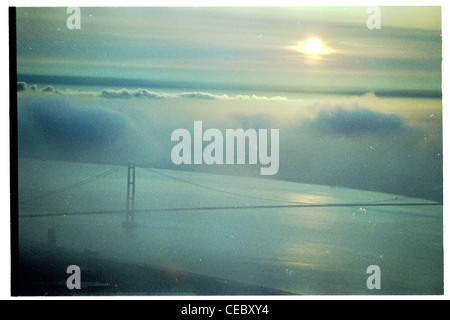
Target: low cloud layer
[(359, 121), (342, 145), (144, 93), (57, 125)]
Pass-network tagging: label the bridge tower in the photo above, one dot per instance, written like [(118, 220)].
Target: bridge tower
[(131, 188)]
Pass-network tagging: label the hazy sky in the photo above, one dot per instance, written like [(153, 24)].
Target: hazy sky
[(249, 48), (382, 132)]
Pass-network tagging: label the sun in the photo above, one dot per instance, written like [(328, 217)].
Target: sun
[(314, 45), (313, 48)]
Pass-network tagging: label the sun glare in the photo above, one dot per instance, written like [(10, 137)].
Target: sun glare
[(313, 45)]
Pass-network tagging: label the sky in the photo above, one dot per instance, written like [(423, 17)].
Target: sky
[(255, 48), (365, 112)]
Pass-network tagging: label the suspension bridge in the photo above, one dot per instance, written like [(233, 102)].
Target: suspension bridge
[(226, 227), (130, 211)]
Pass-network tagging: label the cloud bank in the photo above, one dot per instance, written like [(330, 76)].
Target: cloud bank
[(348, 145), (144, 93), (57, 125), (360, 121)]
